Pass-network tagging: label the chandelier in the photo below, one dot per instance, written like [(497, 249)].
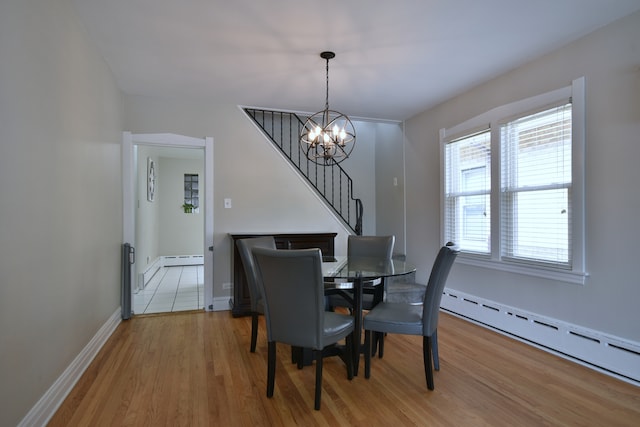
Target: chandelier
[(328, 136)]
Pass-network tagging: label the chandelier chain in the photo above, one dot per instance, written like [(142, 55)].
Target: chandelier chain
[(327, 96)]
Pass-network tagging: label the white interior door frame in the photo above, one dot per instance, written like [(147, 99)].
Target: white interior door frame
[(129, 140)]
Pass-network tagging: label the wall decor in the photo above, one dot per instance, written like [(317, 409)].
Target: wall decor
[(151, 179)]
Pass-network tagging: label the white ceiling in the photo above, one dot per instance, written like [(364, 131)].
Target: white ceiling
[(394, 59)]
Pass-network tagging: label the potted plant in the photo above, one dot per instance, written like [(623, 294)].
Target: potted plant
[(188, 207)]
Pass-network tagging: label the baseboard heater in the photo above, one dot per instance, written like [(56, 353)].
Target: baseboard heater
[(612, 355), (148, 273)]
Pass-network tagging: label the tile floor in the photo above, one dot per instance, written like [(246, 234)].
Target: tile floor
[(172, 289)]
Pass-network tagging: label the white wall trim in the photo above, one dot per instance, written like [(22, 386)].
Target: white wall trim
[(49, 403), (567, 276), (614, 356), (128, 185)]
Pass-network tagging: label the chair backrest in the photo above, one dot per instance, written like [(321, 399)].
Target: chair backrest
[(245, 246), (293, 290), (435, 287), (370, 246)]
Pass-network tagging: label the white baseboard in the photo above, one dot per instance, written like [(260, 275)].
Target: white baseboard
[(612, 355), (173, 260), (49, 403), (220, 304)]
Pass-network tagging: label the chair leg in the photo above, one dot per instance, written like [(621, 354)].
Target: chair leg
[(300, 357), (349, 356), (297, 356), (378, 337), (318, 357), (367, 353), (434, 345), (377, 345), (374, 344), (426, 354), (381, 344), (271, 367), (254, 331)]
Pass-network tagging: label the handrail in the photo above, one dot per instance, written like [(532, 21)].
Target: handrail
[(332, 182)]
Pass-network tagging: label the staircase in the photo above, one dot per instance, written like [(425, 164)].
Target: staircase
[(332, 183)]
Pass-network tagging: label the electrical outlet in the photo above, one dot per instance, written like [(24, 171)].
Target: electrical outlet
[(226, 286), (227, 203)]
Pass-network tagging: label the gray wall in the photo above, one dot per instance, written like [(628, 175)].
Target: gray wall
[(60, 197), (608, 302), (389, 183)]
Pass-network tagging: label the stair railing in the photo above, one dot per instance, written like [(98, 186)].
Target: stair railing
[(332, 183)]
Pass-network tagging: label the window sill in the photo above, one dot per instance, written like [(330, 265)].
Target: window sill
[(574, 277)]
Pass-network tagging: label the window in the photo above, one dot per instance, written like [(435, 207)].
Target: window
[(513, 187), (467, 193), (191, 199), (536, 187)]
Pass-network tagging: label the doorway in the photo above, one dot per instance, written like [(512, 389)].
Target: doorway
[(173, 244)]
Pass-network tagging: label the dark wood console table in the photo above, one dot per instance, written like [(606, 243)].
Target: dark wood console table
[(240, 302)]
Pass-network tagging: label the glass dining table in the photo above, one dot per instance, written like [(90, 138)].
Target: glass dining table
[(342, 273)]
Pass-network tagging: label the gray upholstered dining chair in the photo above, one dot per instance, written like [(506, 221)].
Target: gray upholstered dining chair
[(410, 319), (366, 247), (293, 288), (245, 246)]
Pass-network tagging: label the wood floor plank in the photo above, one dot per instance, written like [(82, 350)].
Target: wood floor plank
[(195, 369)]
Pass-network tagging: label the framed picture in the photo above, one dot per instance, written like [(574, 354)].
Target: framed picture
[(151, 179)]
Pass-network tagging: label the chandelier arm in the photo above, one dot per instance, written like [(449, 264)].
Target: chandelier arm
[(341, 148)]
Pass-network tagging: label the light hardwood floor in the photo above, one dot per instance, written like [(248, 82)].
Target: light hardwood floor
[(195, 369)]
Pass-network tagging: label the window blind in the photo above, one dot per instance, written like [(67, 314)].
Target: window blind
[(536, 187), (467, 192)]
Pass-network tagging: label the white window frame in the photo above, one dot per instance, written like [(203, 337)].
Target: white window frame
[(492, 119)]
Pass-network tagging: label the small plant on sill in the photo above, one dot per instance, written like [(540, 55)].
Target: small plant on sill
[(188, 207)]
